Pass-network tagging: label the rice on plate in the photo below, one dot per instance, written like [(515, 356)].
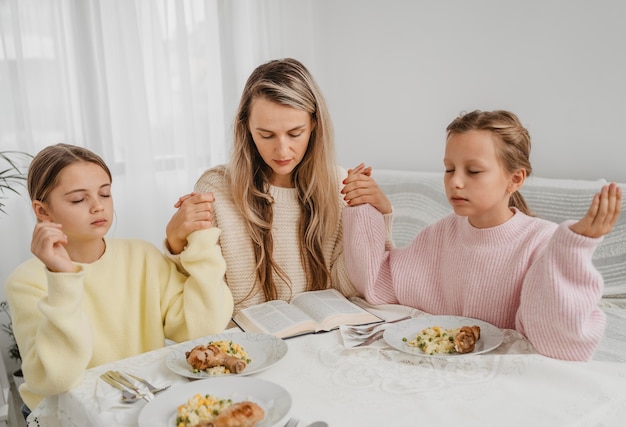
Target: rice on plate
[(434, 340)]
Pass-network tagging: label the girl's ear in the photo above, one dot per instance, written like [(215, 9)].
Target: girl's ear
[(517, 180), (41, 211)]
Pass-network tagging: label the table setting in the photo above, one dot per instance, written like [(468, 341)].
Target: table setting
[(328, 378)]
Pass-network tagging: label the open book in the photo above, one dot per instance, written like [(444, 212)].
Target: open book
[(308, 312)]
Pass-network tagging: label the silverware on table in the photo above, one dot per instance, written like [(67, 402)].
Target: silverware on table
[(371, 339), (361, 337), (126, 382), (152, 389), (127, 395), (293, 422), (360, 330)]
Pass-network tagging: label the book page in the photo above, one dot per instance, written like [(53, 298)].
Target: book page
[(273, 317), (322, 305)]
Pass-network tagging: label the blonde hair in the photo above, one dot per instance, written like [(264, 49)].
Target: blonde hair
[(44, 170), (287, 82), (514, 150)]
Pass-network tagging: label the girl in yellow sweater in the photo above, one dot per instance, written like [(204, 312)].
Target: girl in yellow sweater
[(85, 299)]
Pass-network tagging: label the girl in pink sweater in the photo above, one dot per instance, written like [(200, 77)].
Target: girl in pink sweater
[(491, 259)]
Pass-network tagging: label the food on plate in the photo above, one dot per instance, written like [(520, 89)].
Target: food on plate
[(210, 411), (218, 358), (435, 340), (438, 340), (240, 414), (465, 339)]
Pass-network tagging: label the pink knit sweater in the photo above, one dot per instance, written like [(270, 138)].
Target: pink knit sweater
[(527, 274)]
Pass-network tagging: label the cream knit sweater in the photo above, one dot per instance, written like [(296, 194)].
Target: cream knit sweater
[(238, 251), (527, 274)]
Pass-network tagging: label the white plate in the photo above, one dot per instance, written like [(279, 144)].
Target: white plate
[(263, 349), (274, 399), (490, 336)]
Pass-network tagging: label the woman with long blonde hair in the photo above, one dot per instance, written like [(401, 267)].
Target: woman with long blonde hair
[(278, 202)]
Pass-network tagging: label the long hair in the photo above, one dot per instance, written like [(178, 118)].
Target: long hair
[(289, 83), (514, 150), (44, 170)]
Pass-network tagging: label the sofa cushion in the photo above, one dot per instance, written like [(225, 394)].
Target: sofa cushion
[(559, 199), (419, 198)]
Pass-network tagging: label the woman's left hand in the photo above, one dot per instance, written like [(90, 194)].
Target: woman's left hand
[(602, 214), (360, 188), (194, 212)]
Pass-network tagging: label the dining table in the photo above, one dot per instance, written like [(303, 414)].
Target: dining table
[(328, 379)]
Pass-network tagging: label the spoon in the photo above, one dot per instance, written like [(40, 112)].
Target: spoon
[(318, 424)]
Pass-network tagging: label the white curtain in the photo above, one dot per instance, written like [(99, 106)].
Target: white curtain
[(151, 85)]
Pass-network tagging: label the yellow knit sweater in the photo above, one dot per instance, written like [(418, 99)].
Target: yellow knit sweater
[(124, 304)]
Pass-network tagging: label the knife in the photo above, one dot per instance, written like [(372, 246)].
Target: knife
[(116, 376), (127, 395)]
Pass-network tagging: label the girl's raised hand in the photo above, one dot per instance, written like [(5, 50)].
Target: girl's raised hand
[(195, 212), (48, 244), (602, 214), (360, 188)]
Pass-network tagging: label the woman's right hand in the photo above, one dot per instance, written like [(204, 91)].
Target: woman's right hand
[(195, 212), (360, 188), (48, 244)]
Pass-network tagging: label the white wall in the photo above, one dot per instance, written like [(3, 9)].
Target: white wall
[(397, 72)]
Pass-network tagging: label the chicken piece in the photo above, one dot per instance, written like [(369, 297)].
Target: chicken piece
[(240, 414), (465, 339), (203, 357), (476, 331)]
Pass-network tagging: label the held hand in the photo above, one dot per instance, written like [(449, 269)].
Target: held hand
[(360, 188), (602, 214), (181, 199), (195, 212), (361, 169), (48, 244)]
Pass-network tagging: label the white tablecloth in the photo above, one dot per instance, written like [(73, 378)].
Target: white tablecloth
[(380, 386)]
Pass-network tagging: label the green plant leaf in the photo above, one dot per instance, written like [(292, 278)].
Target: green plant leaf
[(13, 173)]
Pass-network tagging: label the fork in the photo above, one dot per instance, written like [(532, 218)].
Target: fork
[(152, 389), (360, 336), (293, 422), (366, 330), (374, 337)]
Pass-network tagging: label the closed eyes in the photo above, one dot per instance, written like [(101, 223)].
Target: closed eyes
[(106, 196), (291, 135)]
